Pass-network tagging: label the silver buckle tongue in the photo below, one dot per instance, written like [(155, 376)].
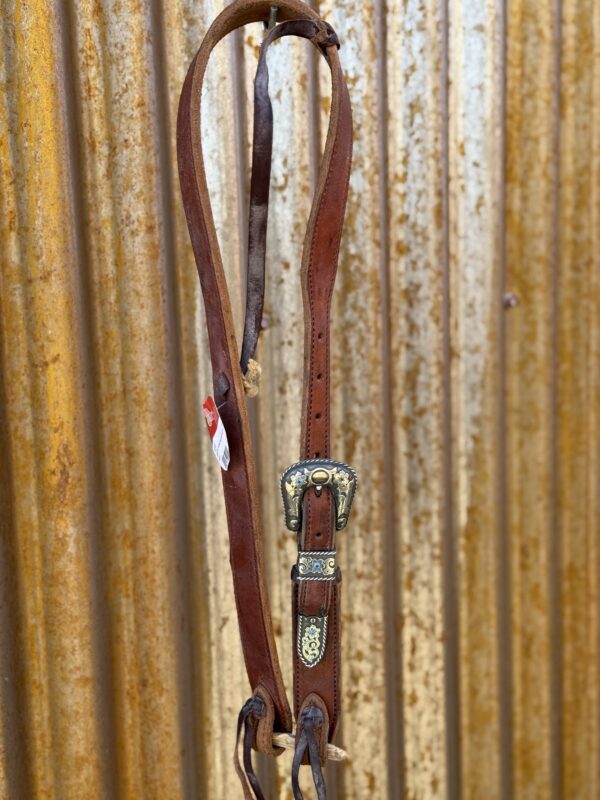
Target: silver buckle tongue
[(339, 478)]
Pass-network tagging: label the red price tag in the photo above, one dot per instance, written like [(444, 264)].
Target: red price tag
[(216, 430)]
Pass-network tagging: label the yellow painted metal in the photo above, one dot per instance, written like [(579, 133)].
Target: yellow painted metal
[(471, 652)]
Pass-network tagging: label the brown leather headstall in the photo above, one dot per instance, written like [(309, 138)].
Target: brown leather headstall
[(317, 491)]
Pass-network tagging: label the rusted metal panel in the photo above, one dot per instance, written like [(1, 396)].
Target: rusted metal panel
[(470, 603), (475, 59), (53, 733), (578, 395), (131, 346), (417, 307), (531, 453), (358, 386), (216, 660)]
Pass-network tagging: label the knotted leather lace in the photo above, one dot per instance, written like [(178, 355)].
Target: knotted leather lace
[(252, 710), (310, 720)]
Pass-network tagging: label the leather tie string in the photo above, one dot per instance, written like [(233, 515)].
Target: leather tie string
[(309, 722), (253, 710)]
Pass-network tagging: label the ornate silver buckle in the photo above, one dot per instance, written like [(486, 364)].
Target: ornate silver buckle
[(315, 565), (339, 478)]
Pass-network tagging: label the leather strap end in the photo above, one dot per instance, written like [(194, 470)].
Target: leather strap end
[(263, 739), (255, 721)]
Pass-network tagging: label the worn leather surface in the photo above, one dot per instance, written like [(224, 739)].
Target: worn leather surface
[(319, 265), (262, 144)]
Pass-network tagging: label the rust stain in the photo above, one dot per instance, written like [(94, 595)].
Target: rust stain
[(116, 528)]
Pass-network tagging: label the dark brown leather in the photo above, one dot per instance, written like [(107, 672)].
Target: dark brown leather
[(319, 265), (315, 700), (260, 182), (251, 715)]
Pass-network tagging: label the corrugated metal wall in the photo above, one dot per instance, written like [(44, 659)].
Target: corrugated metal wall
[(466, 393)]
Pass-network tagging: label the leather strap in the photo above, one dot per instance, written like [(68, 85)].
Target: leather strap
[(318, 269), (319, 266), (262, 145), (239, 481)]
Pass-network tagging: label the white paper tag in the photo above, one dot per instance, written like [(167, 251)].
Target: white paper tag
[(216, 429)]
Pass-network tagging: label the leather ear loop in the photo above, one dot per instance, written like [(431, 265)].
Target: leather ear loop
[(257, 717)]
